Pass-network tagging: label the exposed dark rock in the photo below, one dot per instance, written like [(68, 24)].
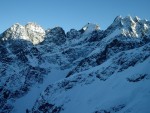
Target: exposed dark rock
[(137, 79), (111, 110), (56, 35)]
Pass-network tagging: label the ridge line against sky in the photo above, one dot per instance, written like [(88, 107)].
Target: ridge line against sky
[(69, 13)]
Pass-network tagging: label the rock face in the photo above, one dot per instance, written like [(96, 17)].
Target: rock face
[(35, 33), (81, 71), (56, 35), (89, 27), (30, 32)]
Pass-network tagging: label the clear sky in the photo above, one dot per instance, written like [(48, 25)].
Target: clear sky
[(69, 13)]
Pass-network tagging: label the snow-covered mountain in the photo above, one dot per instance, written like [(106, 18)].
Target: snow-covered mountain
[(80, 71), (30, 32)]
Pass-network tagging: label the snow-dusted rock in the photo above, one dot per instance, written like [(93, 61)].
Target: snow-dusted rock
[(85, 71), (35, 33), (129, 27), (30, 32), (88, 28), (56, 35)]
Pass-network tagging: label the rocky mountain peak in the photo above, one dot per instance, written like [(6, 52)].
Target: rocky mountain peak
[(89, 28), (136, 19), (35, 32), (72, 34), (57, 30), (15, 26), (118, 19), (126, 21), (34, 27), (55, 35), (16, 31), (30, 32), (128, 26)]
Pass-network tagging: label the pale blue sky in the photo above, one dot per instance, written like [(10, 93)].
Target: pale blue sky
[(69, 13)]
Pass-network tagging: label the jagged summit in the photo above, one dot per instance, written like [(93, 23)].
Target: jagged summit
[(16, 31), (55, 35), (136, 19), (35, 32), (118, 18), (34, 26), (129, 27), (126, 20), (90, 27), (30, 32), (123, 20), (16, 25)]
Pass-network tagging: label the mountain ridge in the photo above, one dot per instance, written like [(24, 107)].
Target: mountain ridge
[(119, 20), (80, 71)]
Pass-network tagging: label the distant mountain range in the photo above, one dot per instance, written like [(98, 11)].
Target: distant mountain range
[(81, 71)]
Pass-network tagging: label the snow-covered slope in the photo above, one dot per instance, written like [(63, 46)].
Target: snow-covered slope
[(81, 71)]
